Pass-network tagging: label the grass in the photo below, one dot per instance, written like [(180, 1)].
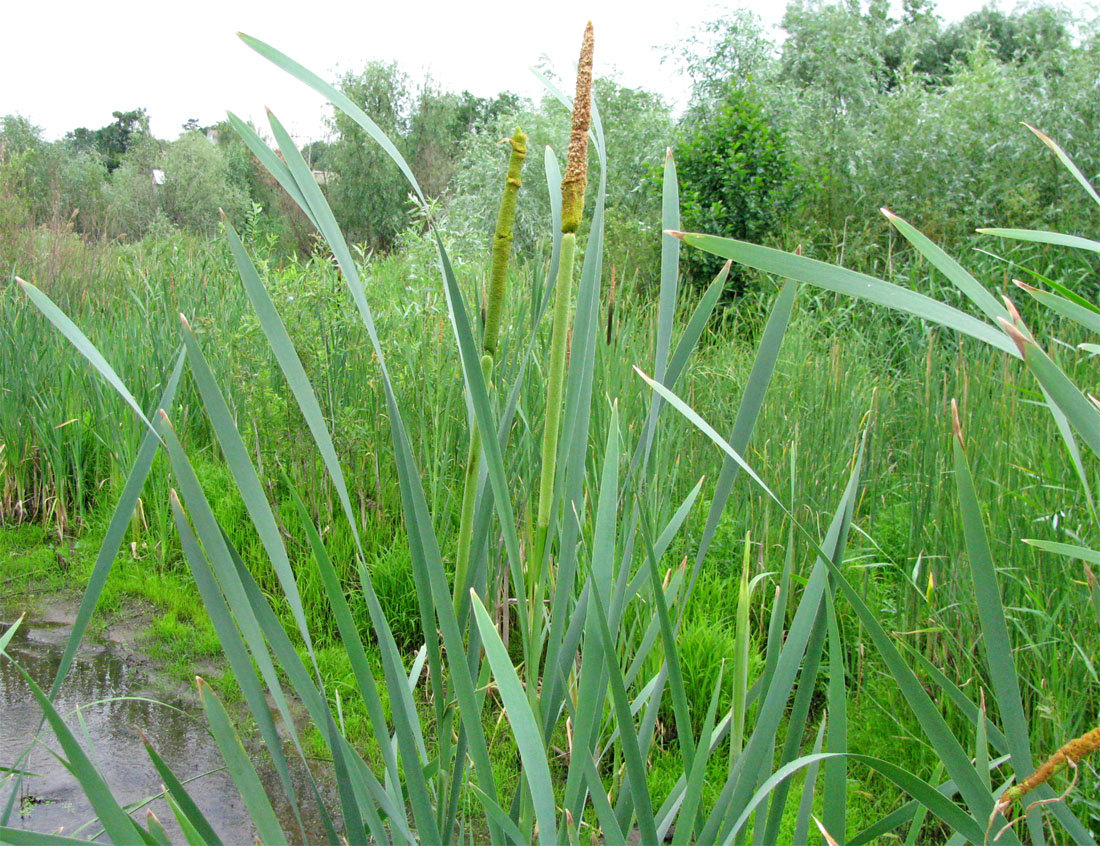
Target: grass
[(823, 388)]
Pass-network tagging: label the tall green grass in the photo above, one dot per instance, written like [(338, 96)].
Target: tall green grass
[(830, 576)]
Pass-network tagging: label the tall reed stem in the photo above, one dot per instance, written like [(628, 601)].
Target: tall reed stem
[(572, 194)]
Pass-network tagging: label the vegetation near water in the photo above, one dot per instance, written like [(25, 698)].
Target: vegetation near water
[(717, 509)]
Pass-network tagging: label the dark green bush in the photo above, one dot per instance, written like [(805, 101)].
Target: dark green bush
[(735, 178)]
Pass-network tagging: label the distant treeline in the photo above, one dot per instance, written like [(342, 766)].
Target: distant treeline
[(802, 135)]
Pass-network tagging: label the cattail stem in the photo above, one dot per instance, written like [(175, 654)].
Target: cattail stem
[(563, 300), (469, 495), (572, 209)]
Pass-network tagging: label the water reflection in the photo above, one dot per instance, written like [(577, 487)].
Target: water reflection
[(108, 730)]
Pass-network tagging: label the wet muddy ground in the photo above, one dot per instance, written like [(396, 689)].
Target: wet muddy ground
[(111, 692)]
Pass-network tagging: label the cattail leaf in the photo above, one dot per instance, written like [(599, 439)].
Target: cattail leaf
[(217, 582), (949, 813), (636, 780), (806, 803), (959, 277), (1039, 236), (707, 430), (404, 711), (853, 284), (835, 779), (536, 769), (183, 806), (338, 99), (1081, 414), (187, 827), (1067, 549), (693, 793), (670, 267), (116, 529), (25, 837), (273, 164), (1066, 161), (115, 821), (248, 482), (1086, 317), (995, 636), (83, 346), (240, 768)]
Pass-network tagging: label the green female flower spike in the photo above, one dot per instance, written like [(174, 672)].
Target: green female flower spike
[(502, 243), (502, 246)]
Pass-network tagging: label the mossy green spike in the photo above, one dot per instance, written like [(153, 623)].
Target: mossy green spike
[(502, 243)]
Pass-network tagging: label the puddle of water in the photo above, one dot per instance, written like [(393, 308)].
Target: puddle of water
[(53, 800)]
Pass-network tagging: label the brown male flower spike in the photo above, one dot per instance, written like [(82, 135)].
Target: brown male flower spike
[(576, 166), (1070, 754)]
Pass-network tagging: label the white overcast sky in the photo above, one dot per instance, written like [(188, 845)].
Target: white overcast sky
[(65, 64)]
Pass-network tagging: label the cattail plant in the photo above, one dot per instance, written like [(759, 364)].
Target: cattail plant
[(494, 308), (572, 210)]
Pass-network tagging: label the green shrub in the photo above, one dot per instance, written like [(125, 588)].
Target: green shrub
[(736, 177)]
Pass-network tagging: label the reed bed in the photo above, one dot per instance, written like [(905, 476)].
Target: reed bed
[(708, 634)]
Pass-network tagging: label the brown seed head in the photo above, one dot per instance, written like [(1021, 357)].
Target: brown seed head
[(1075, 751), (576, 166)]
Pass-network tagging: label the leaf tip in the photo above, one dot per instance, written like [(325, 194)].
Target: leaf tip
[(1015, 334), (824, 833), (675, 233), (956, 424)]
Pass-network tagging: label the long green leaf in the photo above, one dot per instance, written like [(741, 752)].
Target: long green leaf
[(853, 284), (338, 99), (1086, 317), (925, 793), (184, 806), (1067, 549), (1082, 414), (974, 290), (1041, 237), (1067, 162), (248, 482), (693, 794), (995, 637), (241, 769), (536, 768), (83, 346), (706, 429)]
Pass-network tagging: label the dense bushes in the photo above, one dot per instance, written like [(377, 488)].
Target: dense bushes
[(792, 141), (736, 174)]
